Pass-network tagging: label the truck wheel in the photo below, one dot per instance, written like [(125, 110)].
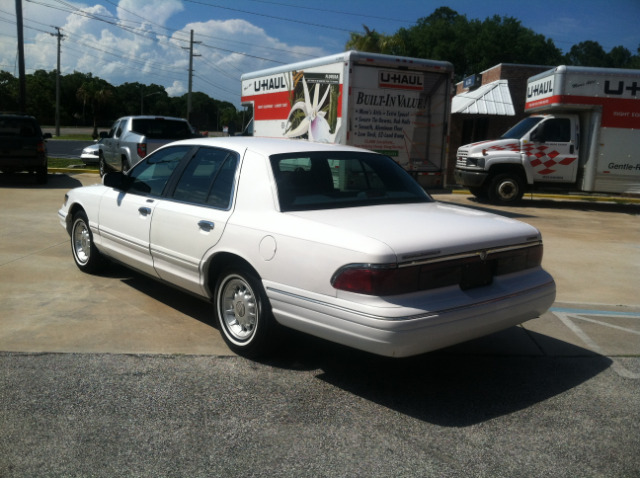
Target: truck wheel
[(102, 165), (506, 188), (125, 165)]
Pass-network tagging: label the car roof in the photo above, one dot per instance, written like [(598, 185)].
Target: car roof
[(268, 146)]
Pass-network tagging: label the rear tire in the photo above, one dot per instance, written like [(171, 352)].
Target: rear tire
[(85, 254), (42, 175), (243, 312), (506, 188)]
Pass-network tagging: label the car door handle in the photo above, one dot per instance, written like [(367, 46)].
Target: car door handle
[(206, 226), (145, 211)]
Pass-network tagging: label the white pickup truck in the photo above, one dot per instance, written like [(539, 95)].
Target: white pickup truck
[(131, 138)]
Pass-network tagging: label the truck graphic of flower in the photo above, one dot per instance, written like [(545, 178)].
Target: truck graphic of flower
[(308, 117)]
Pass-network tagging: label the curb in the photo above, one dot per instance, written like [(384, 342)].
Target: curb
[(571, 197), (73, 170)]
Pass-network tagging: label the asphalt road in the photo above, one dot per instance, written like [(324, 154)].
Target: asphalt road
[(117, 375), (64, 148)]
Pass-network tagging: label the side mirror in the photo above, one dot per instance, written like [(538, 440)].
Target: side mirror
[(114, 179), (537, 135), (104, 134), (47, 136)]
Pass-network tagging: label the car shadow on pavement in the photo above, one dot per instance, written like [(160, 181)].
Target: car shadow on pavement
[(183, 302), (459, 386), (455, 387), (26, 180)]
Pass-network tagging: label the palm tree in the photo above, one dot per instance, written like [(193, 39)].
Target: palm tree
[(96, 93)]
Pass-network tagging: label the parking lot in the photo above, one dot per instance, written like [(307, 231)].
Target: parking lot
[(557, 396)]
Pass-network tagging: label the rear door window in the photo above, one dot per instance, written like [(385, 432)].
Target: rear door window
[(208, 179)]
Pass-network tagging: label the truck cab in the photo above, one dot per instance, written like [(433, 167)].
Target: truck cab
[(540, 149)]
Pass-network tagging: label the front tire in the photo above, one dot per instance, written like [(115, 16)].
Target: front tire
[(85, 254), (102, 165), (243, 312), (506, 188)]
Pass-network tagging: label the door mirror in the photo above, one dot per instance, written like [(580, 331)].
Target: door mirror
[(536, 136), (115, 179)]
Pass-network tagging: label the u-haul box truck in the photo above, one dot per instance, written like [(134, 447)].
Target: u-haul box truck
[(583, 135), (394, 105)]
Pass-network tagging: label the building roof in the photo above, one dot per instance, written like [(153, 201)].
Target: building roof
[(490, 99)]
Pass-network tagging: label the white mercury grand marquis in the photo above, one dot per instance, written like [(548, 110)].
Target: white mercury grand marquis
[(334, 241)]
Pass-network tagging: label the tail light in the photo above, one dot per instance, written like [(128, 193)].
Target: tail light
[(142, 149), (41, 147), (472, 270)]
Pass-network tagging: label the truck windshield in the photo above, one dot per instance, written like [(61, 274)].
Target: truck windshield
[(522, 128), (328, 180)]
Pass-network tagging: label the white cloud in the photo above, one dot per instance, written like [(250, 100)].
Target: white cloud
[(118, 45), (176, 89), (158, 11)]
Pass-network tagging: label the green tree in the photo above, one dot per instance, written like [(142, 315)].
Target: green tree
[(94, 94), (588, 53), (41, 96), (374, 42), (8, 92), (473, 45)]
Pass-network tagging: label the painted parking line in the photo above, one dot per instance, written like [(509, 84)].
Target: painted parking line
[(573, 317)]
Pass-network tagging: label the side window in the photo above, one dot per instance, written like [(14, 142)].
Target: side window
[(149, 177), (557, 130), (208, 178)]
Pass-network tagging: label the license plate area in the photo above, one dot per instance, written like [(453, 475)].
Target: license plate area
[(477, 274)]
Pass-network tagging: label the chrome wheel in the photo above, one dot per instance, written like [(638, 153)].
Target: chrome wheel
[(81, 242), (239, 309), (85, 254), (243, 312)]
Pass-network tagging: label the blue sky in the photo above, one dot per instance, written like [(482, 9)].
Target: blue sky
[(144, 40)]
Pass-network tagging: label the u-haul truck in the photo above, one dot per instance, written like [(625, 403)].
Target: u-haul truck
[(394, 105), (583, 135)]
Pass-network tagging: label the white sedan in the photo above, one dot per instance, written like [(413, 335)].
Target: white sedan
[(334, 241)]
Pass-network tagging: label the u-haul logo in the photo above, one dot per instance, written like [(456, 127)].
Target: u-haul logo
[(540, 89), (269, 84), (401, 80), (621, 88)]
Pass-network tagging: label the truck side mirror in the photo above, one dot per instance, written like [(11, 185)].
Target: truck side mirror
[(537, 136)]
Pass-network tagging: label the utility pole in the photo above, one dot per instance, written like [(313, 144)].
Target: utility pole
[(191, 55), (21, 75), (60, 36)]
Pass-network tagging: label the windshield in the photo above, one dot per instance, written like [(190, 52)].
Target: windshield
[(522, 128), (326, 180)]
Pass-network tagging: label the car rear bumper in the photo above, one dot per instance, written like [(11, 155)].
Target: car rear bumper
[(29, 163), (409, 327)]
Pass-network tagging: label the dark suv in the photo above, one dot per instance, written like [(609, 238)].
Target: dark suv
[(23, 146)]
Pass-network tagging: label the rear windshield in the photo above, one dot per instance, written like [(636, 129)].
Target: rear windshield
[(24, 127), (158, 128), (326, 180)]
